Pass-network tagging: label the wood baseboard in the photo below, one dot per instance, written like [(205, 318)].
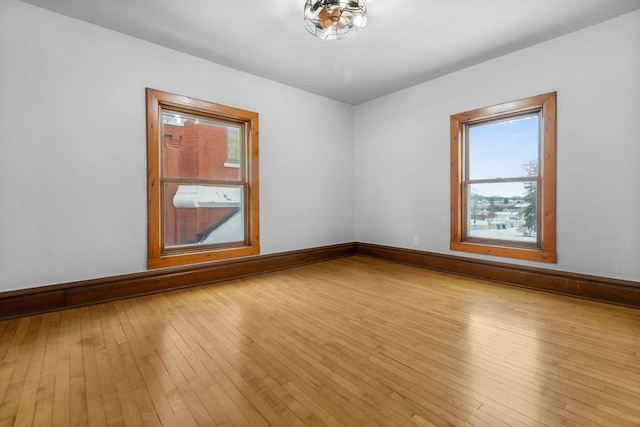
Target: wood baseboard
[(621, 292), (75, 294)]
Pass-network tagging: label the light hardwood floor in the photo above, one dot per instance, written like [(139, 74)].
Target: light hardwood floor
[(355, 341)]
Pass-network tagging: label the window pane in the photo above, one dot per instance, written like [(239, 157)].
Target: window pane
[(504, 211), (198, 148), (503, 148), (202, 214), (233, 146)]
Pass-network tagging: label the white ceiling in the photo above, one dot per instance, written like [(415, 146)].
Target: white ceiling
[(405, 42)]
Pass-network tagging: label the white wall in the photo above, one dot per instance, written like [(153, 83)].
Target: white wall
[(73, 159), (73, 149), (402, 148)]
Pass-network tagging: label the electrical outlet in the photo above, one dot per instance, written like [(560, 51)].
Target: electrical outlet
[(416, 241)]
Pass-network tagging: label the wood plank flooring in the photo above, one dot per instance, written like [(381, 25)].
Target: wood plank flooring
[(355, 341)]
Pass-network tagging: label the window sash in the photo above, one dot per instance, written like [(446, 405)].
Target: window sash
[(466, 183), (201, 246), (466, 237)]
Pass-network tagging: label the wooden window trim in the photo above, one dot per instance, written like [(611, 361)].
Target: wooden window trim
[(156, 257), (546, 103)]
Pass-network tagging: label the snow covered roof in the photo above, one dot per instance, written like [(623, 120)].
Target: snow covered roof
[(204, 196)]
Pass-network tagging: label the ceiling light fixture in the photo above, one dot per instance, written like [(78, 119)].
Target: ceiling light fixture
[(335, 19)]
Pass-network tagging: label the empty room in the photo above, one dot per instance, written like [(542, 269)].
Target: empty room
[(320, 213)]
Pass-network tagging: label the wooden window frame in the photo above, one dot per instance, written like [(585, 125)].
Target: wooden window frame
[(546, 249), (157, 255)]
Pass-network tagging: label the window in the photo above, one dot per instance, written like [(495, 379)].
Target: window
[(202, 180), (503, 179)]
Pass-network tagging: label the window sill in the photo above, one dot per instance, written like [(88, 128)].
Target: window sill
[(172, 260), (507, 252)]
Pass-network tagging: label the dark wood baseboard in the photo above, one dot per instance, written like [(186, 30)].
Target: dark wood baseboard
[(621, 292), (75, 294)]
